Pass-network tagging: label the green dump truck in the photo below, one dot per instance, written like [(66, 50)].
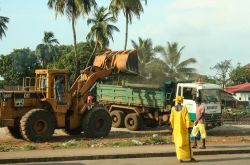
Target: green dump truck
[(138, 105)]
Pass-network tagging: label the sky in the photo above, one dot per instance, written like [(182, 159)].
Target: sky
[(211, 30)]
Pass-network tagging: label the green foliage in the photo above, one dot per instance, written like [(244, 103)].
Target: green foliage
[(101, 31), (157, 140), (146, 55), (2, 83), (170, 63), (18, 64), (240, 75), (73, 9), (46, 51), (122, 143), (30, 146), (22, 62), (129, 8), (7, 148), (222, 72), (65, 58), (3, 26)]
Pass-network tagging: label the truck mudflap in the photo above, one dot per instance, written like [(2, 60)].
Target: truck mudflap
[(125, 61)]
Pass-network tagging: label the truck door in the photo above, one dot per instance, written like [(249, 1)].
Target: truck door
[(189, 94)]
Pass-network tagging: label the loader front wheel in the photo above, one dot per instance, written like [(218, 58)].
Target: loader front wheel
[(37, 125), (96, 123), (15, 131), (117, 118)]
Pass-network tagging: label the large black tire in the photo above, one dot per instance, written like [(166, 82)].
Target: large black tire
[(38, 125), (117, 118), (15, 131), (151, 123), (96, 123), (133, 122), (76, 131)]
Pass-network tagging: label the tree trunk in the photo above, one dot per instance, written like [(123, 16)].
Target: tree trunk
[(126, 33), (77, 71), (92, 55)]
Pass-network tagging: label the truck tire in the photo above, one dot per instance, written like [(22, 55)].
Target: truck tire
[(96, 123), (38, 125), (15, 131), (117, 118), (133, 121)]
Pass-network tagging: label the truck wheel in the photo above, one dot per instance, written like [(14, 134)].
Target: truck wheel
[(133, 121), (117, 118), (96, 123), (15, 131), (37, 125), (76, 131)]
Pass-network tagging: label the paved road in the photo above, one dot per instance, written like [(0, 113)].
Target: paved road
[(242, 159)]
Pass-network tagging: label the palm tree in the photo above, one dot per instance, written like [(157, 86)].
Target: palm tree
[(49, 38), (175, 69), (46, 51), (129, 8), (146, 53), (73, 9), (3, 27), (101, 31)]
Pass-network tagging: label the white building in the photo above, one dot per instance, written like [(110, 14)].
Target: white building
[(240, 92)]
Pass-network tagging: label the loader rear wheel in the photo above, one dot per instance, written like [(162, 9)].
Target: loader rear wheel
[(96, 123), (117, 118), (37, 125), (15, 131), (133, 121)]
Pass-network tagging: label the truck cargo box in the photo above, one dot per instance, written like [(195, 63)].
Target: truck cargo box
[(131, 96)]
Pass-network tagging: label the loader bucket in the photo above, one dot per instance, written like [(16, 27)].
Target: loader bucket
[(122, 61)]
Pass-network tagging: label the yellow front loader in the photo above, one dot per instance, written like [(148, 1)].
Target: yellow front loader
[(35, 112)]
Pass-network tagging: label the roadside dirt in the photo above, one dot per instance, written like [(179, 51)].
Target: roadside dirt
[(227, 134)]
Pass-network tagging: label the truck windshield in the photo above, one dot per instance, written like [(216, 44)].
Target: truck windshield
[(210, 95)]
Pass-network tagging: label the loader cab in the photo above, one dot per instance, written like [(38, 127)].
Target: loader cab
[(52, 84)]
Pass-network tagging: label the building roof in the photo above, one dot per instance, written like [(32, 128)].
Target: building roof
[(238, 88)]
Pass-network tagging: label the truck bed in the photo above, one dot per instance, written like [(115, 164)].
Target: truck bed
[(137, 96)]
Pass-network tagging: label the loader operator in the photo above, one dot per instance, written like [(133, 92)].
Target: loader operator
[(59, 80)]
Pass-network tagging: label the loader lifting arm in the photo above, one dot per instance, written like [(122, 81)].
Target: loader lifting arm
[(104, 65)]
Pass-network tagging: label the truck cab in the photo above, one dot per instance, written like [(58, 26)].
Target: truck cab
[(210, 95)]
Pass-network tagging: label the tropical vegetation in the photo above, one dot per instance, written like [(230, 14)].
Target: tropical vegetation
[(129, 8), (171, 64), (45, 51), (156, 64), (101, 31), (73, 9), (222, 70), (3, 26)]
